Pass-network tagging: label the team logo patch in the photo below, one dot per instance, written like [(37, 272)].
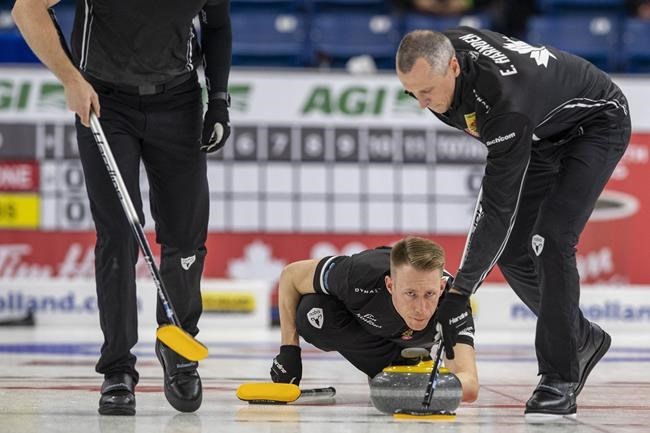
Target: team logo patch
[(186, 262), (541, 55), (538, 244), (316, 317), (470, 121)]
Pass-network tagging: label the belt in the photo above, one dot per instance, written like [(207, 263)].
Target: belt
[(146, 89)]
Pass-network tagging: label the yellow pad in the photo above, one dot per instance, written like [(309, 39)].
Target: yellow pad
[(268, 392), (181, 342), (432, 417), (421, 367)]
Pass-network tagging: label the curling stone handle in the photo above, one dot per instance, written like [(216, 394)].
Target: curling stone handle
[(318, 392)]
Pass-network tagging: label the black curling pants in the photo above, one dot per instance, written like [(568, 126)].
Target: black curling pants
[(163, 131), (561, 187)]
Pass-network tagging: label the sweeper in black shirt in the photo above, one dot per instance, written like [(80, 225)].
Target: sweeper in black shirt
[(134, 64), (555, 127), (369, 307)]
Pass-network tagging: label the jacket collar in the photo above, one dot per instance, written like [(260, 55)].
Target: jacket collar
[(464, 81)]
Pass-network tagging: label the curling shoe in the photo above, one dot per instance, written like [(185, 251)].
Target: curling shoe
[(552, 401), (182, 382), (118, 395), (593, 349)]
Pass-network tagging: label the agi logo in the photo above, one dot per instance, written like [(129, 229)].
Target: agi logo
[(241, 95)]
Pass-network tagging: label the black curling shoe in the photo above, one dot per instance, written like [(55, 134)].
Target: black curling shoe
[(594, 348), (118, 395), (182, 382), (552, 401)]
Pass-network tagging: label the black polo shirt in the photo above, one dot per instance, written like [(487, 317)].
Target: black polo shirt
[(137, 42)]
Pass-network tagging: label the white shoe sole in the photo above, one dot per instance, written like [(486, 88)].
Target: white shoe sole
[(549, 418)]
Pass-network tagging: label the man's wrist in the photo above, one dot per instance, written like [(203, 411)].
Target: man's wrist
[(290, 348), (290, 339), (72, 77), (216, 96)]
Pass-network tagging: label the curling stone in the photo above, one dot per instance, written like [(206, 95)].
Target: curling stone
[(402, 387)]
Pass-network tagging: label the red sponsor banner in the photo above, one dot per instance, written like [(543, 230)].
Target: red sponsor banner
[(35, 254), (615, 246), (19, 176)]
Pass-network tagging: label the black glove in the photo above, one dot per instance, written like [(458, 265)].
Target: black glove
[(287, 366), (453, 314), (216, 126)]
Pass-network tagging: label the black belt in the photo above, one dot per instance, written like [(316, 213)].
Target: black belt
[(146, 89)]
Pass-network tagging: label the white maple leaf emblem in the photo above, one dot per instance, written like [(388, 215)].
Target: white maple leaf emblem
[(540, 54), (257, 263)]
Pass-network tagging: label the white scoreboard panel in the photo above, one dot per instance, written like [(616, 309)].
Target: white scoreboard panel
[(284, 178)]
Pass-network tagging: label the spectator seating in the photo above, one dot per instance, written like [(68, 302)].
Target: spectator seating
[(636, 45), (596, 38), (268, 38), (13, 49), (304, 33), (339, 37), (267, 5), (414, 21), (347, 6), (556, 7)]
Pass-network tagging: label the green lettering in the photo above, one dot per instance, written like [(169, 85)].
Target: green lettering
[(379, 100), (52, 96), (319, 100), (353, 100), (23, 96), (5, 94), (240, 94)]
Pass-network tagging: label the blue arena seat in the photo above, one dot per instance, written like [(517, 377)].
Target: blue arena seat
[(266, 5), (415, 21), (13, 48), (268, 39), (580, 6), (595, 38), (636, 45), (340, 37), (346, 6)]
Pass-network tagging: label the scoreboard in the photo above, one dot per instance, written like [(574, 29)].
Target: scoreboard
[(288, 178)]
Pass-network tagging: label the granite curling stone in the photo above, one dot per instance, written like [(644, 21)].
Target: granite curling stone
[(402, 388)]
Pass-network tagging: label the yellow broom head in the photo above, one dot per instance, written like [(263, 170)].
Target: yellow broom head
[(268, 392), (181, 342), (442, 416)]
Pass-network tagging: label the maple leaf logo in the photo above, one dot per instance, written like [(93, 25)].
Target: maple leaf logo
[(540, 54)]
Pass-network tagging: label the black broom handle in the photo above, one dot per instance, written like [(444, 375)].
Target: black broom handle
[(428, 393), (132, 216)]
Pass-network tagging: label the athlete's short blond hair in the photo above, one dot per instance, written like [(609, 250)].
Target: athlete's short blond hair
[(420, 253)]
